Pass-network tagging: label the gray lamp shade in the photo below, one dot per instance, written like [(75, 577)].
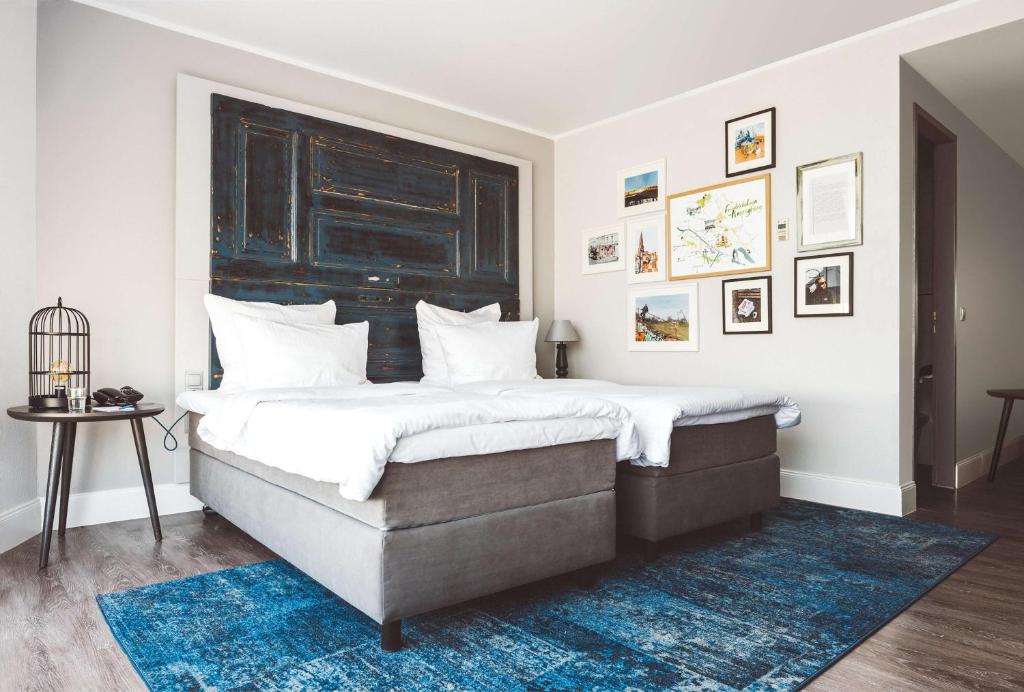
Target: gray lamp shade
[(562, 330)]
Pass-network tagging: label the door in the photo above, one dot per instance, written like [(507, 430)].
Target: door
[(935, 354)]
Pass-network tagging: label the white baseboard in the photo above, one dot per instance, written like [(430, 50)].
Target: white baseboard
[(100, 507), (19, 523), (869, 496), (976, 466), (104, 506)]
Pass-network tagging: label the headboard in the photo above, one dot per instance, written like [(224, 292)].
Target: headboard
[(304, 210)]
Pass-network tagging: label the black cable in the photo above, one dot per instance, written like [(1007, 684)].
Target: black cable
[(168, 433)]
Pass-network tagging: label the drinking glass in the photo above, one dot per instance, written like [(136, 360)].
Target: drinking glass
[(77, 399)]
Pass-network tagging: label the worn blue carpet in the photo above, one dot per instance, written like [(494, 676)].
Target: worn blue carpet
[(765, 610)]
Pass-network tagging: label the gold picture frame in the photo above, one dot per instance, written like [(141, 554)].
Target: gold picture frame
[(711, 233)]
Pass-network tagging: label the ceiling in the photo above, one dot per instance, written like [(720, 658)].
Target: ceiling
[(983, 75), (547, 66)]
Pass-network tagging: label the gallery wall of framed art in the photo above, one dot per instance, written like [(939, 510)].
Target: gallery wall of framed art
[(724, 229)]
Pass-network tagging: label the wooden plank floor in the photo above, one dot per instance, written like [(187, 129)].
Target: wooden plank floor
[(966, 634)]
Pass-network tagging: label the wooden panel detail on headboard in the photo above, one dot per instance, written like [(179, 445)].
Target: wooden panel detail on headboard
[(305, 210)]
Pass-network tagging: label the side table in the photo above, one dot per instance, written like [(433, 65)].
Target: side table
[(62, 454)]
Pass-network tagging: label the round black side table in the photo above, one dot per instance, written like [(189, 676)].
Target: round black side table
[(62, 454)]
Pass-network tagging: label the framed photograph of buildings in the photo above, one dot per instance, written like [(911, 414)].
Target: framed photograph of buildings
[(824, 285), (720, 229), (603, 249), (750, 143), (664, 318), (645, 248), (641, 189), (747, 306), (829, 203)]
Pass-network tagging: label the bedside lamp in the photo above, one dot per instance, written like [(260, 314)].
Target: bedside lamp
[(560, 332)]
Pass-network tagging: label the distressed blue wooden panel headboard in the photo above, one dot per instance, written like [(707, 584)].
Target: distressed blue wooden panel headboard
[(305, 210)]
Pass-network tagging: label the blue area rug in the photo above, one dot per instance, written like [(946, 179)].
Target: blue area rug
[(765, 610)]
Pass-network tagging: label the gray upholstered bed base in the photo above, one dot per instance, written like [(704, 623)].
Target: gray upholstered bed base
[(395, 573), (716, 473)]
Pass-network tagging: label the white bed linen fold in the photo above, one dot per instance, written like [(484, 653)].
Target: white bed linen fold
[(656, 410), (346, 435)]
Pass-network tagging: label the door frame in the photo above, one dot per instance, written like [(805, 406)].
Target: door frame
[(928, 126)]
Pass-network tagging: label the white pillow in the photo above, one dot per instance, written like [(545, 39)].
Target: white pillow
[(435, 370), (230, 347), (490, 351), (302, 355)]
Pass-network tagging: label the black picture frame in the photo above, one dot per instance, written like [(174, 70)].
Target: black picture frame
[(798, 284), (728, 144), (767, 302)]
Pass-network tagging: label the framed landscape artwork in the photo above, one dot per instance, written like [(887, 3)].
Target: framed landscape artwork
[(750, 143), (645, 248), (641, 189), (747, 306), (824, 285), (603, 249), (664, 318), (829, 202), (720, 229)]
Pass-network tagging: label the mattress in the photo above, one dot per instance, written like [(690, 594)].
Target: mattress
[(699, 447), (431, 492)]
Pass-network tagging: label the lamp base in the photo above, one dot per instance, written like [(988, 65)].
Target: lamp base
[(561, 361), (46, 402)]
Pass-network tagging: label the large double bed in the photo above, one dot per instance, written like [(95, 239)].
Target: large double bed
[(404, 496)]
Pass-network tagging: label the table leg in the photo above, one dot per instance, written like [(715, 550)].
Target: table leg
[(65, 476), (1004, 422), (147, 476), (52, 484)]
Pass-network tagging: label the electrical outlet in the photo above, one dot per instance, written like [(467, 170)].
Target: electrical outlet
[(195, 380)]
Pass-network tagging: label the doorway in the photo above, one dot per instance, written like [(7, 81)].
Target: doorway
[(935, 352)]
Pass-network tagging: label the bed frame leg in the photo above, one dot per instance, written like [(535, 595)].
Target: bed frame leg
[(650, 550), (756, 521), (209, 511), (586, 578), (391, 636)]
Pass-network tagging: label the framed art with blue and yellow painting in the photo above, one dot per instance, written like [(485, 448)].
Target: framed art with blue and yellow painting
[(664, 318), (750, 143), (641, 189), (720, 229)]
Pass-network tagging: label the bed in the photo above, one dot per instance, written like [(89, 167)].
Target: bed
[(358, 226), (437, 498), (707, 455)]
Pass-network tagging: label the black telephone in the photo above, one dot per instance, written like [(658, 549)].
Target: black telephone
[(108, 396)]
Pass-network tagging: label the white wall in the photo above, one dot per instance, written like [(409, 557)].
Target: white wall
[(990, 245), (852, 375), (19, 512), (106, 180)]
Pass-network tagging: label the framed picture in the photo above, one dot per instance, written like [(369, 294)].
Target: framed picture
[(721, 229), (747, 306), (824, 285), (645, 248), (664, 318), (750, 143), (829, 203), (603, 249), (641, 189)]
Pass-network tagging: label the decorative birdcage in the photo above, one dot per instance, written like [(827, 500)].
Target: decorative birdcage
[(58, 347)]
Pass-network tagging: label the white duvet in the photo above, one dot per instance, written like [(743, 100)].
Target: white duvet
[(656, 410), (346, 435)]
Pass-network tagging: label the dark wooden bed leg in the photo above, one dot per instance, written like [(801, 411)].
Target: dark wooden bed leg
[(209, 511), (757, 521), (391, 636), (650, 550), (586, 578)]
